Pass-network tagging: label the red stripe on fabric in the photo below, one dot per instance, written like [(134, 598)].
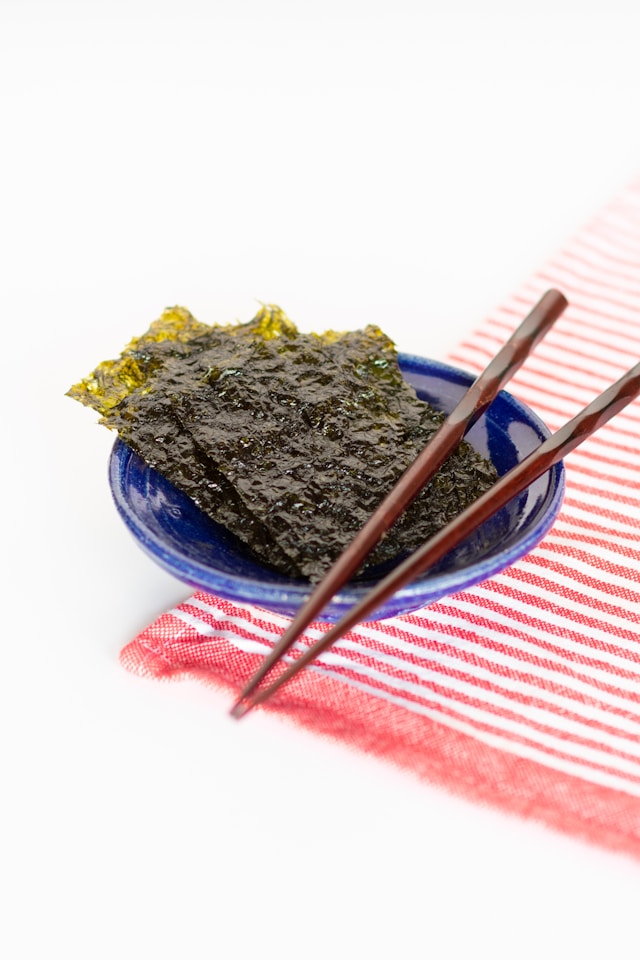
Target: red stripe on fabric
[(544, 360), (547, 588), (582, 256), (578, 467), (585, 372), (607, 252), (542, 366), (570, 503), (580, 395), (528, 627), (471, 366), (589, 543), (522, 385), (575, 547), (157, 641), (582, 578), (232, 614), (454, 760), (622, 240), (559, 689), (570, 331), (585, 303), (572, 289), (526, 698), (624, 467), (222, 625), (574, 485), (562, 333), (449, 710), (253, 616)]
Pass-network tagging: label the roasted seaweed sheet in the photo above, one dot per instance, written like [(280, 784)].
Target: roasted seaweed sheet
[(288, 439)]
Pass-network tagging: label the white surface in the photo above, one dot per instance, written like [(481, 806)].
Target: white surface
[(404, 163)]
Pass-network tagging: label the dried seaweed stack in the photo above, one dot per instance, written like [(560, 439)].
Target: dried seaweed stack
[(288, 439)]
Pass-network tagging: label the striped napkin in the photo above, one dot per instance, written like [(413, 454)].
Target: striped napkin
[(523, 692)]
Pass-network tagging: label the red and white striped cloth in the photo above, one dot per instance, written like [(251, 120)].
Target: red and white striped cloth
[(524, 691)]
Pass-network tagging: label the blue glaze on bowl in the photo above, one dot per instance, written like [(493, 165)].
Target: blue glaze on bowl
[(191, 547)]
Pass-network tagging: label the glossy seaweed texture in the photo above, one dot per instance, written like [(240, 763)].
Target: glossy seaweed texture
[(190, 546)]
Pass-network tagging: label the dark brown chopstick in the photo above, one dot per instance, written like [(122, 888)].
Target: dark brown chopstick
[(472, 405), (550, 452)]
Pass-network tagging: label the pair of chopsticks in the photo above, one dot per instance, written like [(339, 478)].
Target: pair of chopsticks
[(472, 405)]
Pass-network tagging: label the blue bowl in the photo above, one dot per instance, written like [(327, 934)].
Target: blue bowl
[(186, 543)]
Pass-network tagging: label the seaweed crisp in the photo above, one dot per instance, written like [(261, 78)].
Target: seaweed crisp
[(289, 439)]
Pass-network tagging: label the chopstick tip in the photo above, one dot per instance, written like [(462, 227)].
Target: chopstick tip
[(239, 709)]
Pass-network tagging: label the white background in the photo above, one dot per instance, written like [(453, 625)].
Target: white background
[(402, 163)]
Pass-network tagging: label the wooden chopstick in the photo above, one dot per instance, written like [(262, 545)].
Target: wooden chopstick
[(472, 405), (550, 452)]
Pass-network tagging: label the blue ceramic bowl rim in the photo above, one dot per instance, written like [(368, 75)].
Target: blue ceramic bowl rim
[(286, 596)]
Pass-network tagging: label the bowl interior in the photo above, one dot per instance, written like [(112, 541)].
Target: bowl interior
[(201, 553)]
